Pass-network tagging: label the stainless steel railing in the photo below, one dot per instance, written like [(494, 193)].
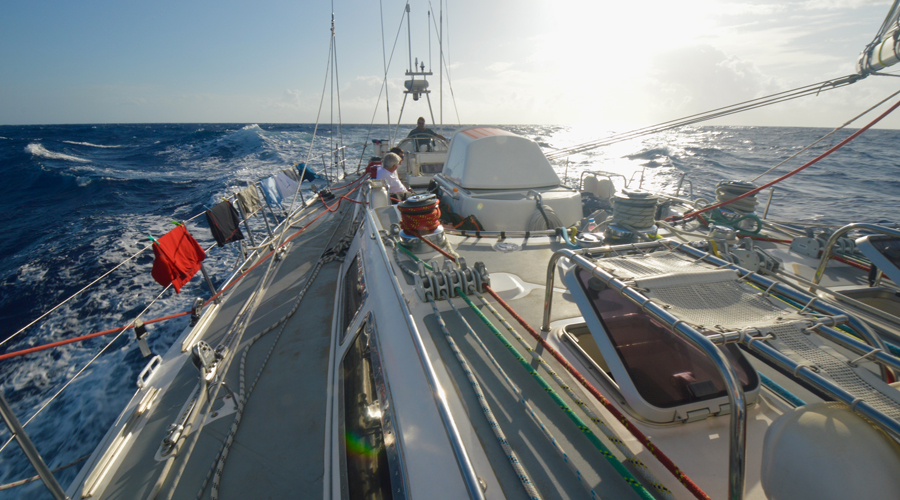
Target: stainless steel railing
[(738, 417)]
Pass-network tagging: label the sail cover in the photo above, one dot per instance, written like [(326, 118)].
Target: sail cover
[(884, 49)]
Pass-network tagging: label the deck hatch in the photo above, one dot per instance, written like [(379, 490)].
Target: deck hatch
[(664, 371)]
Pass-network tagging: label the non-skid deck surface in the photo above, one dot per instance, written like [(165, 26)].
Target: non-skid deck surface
[(549, 472), (278, 448)]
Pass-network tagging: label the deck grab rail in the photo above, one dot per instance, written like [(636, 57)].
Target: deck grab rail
[(738, 417)]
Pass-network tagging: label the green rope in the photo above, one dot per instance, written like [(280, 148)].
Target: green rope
[(617, 465), (407, 252)]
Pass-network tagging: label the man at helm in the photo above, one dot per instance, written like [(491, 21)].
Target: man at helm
[(423, 135)]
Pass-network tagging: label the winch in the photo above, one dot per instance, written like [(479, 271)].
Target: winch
[(420, 218), (740, 214), (634, 214)]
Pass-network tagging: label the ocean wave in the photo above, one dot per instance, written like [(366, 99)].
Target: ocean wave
[(93, 145), (37, 149), (650, 154)]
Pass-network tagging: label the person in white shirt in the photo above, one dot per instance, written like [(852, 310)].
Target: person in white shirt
[(388, 172)]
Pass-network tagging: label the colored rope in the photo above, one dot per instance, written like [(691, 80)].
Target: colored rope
[(665, 460), (85, 337), (425, 219), (432, 245), (517, 466), (610, 434), (781, 391), (616, 464), (528, 409), (799, 169)]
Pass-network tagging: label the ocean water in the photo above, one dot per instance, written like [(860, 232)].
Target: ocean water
[(80, 199)]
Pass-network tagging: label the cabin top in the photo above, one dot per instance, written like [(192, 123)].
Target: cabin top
[(490, 158)]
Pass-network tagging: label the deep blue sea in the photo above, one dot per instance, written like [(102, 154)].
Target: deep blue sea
[(80, 199)]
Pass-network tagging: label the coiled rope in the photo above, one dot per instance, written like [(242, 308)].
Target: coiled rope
[(543, 217), (634, 210), (419, 217), (329, 255), (730, 190)]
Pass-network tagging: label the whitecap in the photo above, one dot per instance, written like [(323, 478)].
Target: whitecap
[(37, 149), (92, 145)]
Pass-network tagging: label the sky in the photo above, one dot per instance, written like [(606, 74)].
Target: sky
[(566, 62)]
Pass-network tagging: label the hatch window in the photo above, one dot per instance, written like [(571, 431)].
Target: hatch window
[(665, 369)]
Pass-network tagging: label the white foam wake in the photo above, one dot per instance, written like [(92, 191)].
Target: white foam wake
[(37, 149)]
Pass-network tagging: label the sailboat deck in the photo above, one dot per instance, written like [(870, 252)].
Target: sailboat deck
[(278, 448)]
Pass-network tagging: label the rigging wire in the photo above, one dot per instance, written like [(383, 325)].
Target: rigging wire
[(779, 97), (797, 170), (337, 83), (384, 63), (827, 135), (384, 88), (67, 384), (445, 66), (42, 316)]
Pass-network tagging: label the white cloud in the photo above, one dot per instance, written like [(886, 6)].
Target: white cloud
[(499, 66)]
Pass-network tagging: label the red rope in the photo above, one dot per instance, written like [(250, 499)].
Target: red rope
[(425, 219), (791, 173), (432, 245), (361, 177), (665, 460), (84, 337)]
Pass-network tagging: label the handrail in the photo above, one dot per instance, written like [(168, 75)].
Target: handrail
[(870, 336), (738, 417), (878, 355), (832, 240), (459, 449)]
